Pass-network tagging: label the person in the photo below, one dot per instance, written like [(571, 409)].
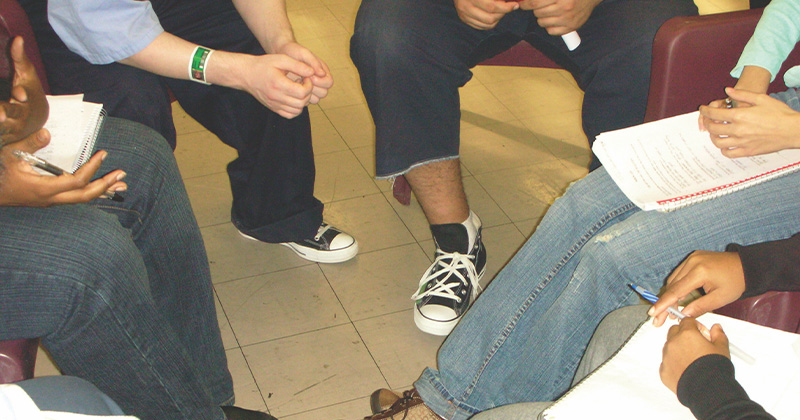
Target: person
[(413, 56), (119, 291), (123, 55), (523, 338), (47, 397)]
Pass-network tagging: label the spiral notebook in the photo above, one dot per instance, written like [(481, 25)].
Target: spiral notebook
[(74, 126), (628, 385), (668, 164)]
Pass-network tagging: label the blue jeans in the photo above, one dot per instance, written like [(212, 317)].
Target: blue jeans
[(412, 56), (525, 335), (121, 292), (272, 178)]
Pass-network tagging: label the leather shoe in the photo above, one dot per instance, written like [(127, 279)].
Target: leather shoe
[(236, 413)]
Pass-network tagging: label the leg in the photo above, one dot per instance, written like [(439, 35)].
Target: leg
[(513, 345), (123, 285), (440, 191)]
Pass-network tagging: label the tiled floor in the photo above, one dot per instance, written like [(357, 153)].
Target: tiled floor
[(311, 341)]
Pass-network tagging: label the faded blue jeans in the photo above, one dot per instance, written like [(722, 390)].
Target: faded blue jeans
[(523, 338), (121, 292)]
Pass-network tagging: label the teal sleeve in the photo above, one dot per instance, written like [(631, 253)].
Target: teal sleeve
[(775, 36)]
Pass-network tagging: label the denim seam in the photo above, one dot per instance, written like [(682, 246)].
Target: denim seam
[(528, 302)]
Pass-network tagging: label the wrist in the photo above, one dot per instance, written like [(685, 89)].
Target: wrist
[(754, 79), (198, 62)]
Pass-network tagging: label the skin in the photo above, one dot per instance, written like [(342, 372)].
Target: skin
[(558, 17), (684, 345), (22, 119), (286, 79)]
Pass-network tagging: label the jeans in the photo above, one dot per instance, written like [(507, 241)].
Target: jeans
[(272, 179), (524, 336), (120, 293), (412, 56)]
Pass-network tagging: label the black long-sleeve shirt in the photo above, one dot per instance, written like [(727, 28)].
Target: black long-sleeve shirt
[(708, 386)]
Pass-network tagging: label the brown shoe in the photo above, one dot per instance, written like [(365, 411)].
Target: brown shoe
[(408, 407), (382, 400)]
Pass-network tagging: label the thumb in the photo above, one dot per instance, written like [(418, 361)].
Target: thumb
[(742, 95), (35, 141), (290, 65), (718, 337), (700, 306)]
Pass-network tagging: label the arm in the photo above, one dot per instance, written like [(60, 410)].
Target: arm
[(20, 185), (484, 14)]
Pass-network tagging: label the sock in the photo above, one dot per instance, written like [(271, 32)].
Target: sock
[(457, 237)]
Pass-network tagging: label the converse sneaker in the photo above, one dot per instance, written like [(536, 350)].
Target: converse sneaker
[(451, 283), (409, 406), (329, 245)]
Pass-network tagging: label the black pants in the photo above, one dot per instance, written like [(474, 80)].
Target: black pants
[(413, 55), (272, 180)]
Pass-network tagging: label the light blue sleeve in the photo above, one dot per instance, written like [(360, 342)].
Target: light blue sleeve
[(104, 31), (775, 36)]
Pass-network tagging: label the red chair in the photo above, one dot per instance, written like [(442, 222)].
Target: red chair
[(18, 357)]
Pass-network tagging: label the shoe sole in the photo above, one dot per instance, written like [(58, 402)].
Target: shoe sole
[(440, 328), (324, 257)]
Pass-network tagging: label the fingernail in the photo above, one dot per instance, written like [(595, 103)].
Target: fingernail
[(121, 175), (650, 311)]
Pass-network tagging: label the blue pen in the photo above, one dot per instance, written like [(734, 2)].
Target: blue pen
[(652, 298)]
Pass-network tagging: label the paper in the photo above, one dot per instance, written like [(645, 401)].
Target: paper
[(671, 160), (73, 129)]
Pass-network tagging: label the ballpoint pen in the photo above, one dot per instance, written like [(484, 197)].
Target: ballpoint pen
[(652, 298), (42, 164)]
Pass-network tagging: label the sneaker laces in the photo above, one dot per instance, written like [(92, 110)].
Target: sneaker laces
[(444, 287), (321, 231)]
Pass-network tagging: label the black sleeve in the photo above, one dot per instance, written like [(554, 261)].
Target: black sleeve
[(709, 388), (773, 265)]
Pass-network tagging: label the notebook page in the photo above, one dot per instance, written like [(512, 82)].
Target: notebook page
[(672, 158), (65, 124), (628, 386)]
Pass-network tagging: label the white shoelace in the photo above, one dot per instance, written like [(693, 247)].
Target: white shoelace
[(443, 288), (321, 231)]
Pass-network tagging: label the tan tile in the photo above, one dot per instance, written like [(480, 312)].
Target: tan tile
[(334, 51), (502, 242), (354, 124), (400, 349), (280, 304), (340, 176), (292, 5), (184, 124), (482, 203), (561, 134), (324, 136), (228, 339), (314, 370), (528, 226), (547, 93), (366, 155), (346, 90), (503, 145), (233, 257), (202, 153), (244, 385), (379, 282), (371, 220), (478, 101), (211, 198), (348, 410), (45, 366), (315, 22)]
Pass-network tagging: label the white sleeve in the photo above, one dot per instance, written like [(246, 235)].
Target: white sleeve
[(104, 31)]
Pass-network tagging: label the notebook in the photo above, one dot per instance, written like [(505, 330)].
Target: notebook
[(74, 126), (670, 163), (628, 385)]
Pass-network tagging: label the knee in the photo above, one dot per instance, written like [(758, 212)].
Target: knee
[(381, 37)]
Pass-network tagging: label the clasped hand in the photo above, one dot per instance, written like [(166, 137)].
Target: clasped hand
[(289, 80), (558, 17)]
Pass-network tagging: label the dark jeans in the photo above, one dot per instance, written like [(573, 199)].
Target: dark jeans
[(413, 56), (272, 180), (120, 293)]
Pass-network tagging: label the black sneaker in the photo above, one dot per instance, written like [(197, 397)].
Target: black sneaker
[(451, 283), (329, 245)]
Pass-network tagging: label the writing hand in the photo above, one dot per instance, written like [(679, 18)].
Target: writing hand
[(27, 109), (685, 344), (21, 185), (560, 17), (484, 14), (321, 80), (719, 274), (760, 124)]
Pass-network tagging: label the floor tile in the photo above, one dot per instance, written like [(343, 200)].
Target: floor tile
[(247, 393), (340, 176)]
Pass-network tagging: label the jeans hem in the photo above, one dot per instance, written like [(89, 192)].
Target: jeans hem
[(415, 165)]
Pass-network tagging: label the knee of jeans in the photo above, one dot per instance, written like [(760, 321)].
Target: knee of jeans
[(380, 38)]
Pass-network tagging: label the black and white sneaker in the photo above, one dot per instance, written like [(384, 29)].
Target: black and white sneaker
[(451, 283), (329, 245)]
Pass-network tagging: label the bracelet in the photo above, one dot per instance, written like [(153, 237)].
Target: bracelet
[(197, 65)]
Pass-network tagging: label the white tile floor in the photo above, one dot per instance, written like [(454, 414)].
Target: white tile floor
[(311, 341)]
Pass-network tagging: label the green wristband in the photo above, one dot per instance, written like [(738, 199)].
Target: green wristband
[(197, 65)]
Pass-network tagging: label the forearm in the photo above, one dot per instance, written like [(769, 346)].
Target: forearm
[(268, 21), (754, 79), (773, 265)]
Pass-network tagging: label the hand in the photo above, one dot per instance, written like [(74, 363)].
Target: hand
[(759, 124), (27, 109), (281, 83), (685, 344), (719, 274), (560, 17), (21, 185), (322, 80), (484, 14)]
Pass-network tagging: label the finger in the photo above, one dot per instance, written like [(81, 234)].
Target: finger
[(35, 141), (718, 337), (290, 65), (92, 190), (701, 305), (87, 171), (673, 331), (744, 96)]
